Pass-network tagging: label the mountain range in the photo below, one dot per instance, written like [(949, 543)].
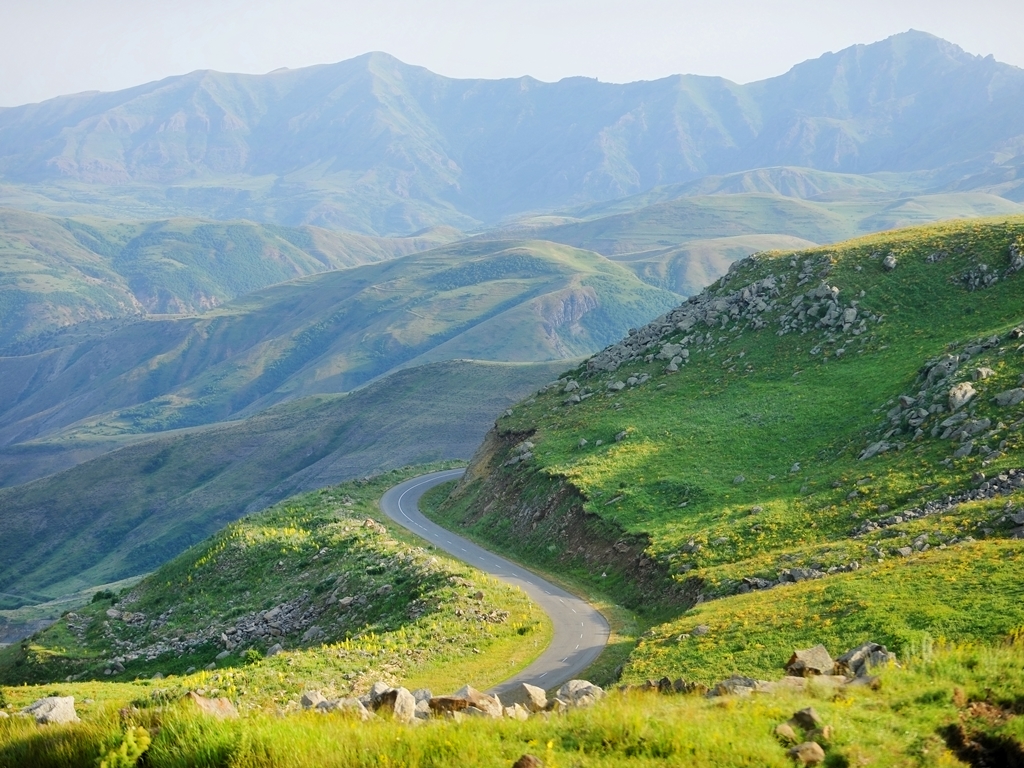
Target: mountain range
[(378, 146)]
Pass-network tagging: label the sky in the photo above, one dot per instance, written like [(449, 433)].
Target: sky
[(54, 47)]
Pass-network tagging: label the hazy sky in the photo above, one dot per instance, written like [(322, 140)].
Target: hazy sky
[(52, 47)]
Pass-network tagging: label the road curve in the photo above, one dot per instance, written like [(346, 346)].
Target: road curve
[(580, 632)]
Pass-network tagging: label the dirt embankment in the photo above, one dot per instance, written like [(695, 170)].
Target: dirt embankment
[(542, 521)]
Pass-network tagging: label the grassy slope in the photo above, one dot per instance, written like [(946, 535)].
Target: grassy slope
[(61, 272), (327, 333), (681, 220), (752, 403), (129, 510), (415, 618)]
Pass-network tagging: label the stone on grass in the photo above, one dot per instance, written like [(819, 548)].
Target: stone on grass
[(311, 699), (889, 263), (400, 703), (808, 753), (960, 395), (786, 733), (810, 661), (808, 718), (53, 709), (221, 707), (275, 649), (486, 703), (529, 696), (580, 693), (857, 662), (1010, 397)]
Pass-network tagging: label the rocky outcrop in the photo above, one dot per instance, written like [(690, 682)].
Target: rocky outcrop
[(52, 709)]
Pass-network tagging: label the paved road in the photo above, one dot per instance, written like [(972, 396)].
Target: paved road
[(581, 633)]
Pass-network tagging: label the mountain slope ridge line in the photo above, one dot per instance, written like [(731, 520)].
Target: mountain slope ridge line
[(580, 631)]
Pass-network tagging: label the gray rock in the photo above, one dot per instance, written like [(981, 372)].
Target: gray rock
[(53, 709), (889, 263), (858, 662), (572, 386), (944, 367), (528, 696), (489, 705), (311, 699), (980, 374), (700, 630), (904, 551), (810, 661), (874, 449), (961, 394), (222, 655), (1009, 397), (275, 649), (616, 386), (377, 690), (620, 436), (400, 703), (964, 450), (810, 752), (422, 694), (580, 693)]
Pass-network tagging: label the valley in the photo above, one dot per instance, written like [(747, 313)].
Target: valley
[(684, 417)]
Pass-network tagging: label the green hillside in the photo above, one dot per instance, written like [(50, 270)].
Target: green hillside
[(129, 510), (350, 602), (687, 218), (63, 275), (332, 332), (824, 446)]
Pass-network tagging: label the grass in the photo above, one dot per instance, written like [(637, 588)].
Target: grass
[(417, 617), (905, 722)]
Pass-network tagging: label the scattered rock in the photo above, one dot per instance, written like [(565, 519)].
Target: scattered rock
[(1009, 397), (221, 707), (786, 733), (808, 753), (580, 693), (889, 263), (807, 718), (980, 374), (311, 699), (961, 394), (53, 709), (529, 696), (810, 661), (858, 662), (400, 703), (275, 649), (700, 630)]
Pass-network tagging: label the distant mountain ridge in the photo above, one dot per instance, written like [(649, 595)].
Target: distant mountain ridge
[(375, 145)]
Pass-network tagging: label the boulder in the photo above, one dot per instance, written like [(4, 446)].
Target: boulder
[(400, 703), (889, 263), (275, 649), (858, 662), (785, 733), (580, 693), (311, 699), (737, 685), (808, 753), (53, 709), (529, 696), (1009, 397), (810, 661), (961, 394), (807, 718), (346, 706), (486, 703), (982, 373), (221, 707)]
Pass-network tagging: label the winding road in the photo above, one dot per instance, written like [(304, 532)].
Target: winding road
[(580, 632)]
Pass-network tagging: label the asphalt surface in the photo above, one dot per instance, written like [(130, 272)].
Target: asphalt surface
[(580, 632)]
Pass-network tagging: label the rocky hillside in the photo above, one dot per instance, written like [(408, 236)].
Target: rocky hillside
[(769, 460)]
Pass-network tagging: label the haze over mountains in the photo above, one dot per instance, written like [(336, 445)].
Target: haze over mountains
[(378, 146), (178, 257)]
